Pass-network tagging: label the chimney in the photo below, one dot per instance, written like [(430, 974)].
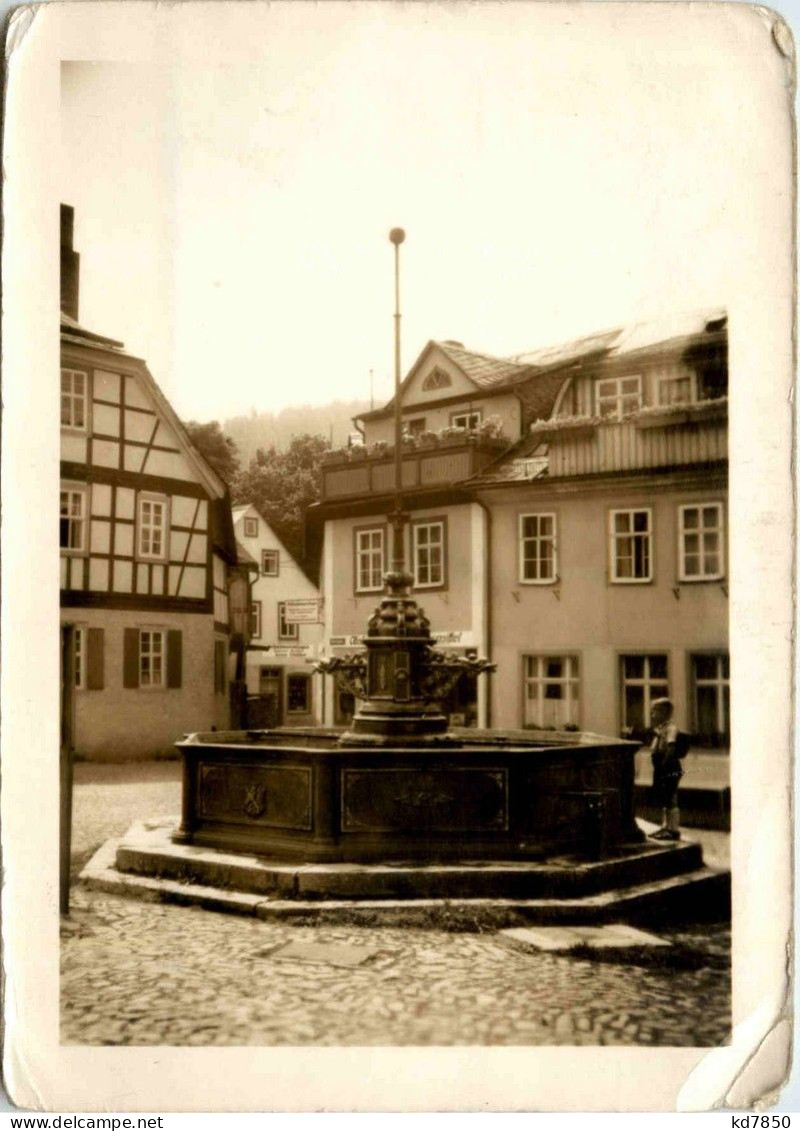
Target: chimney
[(70, 262)]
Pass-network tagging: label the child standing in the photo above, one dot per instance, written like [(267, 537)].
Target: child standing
[(669, 746)]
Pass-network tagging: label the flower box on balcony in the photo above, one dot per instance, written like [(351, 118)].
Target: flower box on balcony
[(565, 428), (671, 416)]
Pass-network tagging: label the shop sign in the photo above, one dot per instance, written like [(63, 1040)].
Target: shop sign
[(303, 610), (289, 651)]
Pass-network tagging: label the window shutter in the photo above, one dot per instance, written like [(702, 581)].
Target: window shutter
[(130, 658), (94, 659), (174, 658)]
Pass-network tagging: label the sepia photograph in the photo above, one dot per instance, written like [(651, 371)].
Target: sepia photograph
[(398, 674)]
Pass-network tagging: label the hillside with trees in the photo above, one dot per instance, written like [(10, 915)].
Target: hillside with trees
[(333, 422)]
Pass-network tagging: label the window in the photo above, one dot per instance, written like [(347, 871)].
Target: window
[(298, 694), (414, 427), (251, 528), (286, 631), (712, 698), (152, 540), (700, 542), (255, 620), (72, 519), (369, 560), (644, 678), (436, 379), (89, 666), (617, 396), (80, 659), (151, 658), (537, 547), (73, 399), (552, 692), (631, 556), (468, 420), (675, 390), (428, 553), (270, 563)]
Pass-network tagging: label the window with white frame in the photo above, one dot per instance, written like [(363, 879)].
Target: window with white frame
[(631, 545), (644, 678), (270, 563), (701, 541), (152, 527), (711, 673), (286, 631), (617, 396), (369, 560), (151, 657), (80, 658), (255, 620), (437, 379), (72, 519), (73, 399), (251, 527), (427, 540), (537, 548), (468, 420), (675, 390), (551, 691)]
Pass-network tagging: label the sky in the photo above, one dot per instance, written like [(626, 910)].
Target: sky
[(555, 175)]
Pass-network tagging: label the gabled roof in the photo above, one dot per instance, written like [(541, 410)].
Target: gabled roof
[(484, 371), (240, 510), (75, 334)]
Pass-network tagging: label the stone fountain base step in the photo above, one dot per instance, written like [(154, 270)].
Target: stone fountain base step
[(649, 878)]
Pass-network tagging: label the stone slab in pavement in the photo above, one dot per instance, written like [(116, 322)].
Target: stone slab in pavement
[(616, 935), (329, 954)]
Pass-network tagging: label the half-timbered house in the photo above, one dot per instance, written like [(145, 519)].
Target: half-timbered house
[(146, 542)]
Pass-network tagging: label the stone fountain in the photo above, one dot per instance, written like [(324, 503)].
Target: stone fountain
[(398, 807)]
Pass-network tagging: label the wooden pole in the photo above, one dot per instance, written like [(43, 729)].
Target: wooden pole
[(66, 760)]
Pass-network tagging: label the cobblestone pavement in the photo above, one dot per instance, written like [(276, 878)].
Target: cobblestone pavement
[(144, 973)]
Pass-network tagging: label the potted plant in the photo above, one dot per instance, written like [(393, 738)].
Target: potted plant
[(379, 449), (491, 428), (334, 455), (451, 436), (358, 452), (427, 439)]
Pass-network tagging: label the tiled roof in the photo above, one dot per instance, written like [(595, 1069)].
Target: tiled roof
[(244, 557), (517, 465), (75, 330), (485, 371)]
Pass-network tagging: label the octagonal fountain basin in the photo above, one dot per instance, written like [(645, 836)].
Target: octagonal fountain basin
[(297, 795)]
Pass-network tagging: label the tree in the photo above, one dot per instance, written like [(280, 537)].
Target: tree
[(282, 484), (215, 447)]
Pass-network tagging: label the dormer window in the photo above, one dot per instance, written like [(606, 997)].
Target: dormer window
[(617, 396), (675, 390), (436, 379)]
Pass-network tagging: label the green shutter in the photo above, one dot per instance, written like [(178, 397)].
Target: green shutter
[(130, 659), (94, 659), (174, 658)]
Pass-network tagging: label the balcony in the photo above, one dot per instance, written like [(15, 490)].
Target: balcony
[(361, 471), (668, 436)]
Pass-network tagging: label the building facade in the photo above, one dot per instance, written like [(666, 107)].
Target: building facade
[(146, 543), (285, 630), (568, 521)]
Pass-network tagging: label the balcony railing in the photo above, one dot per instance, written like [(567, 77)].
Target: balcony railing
[(671, 436), (362, 471)]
